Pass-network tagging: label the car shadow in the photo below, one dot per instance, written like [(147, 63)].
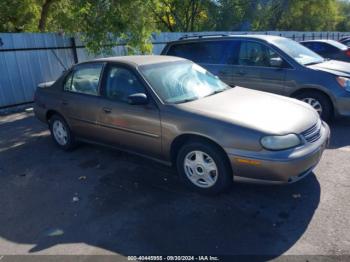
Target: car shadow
[(132, 206), (340, 133)]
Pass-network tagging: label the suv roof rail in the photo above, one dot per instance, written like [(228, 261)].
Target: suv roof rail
[(200, 36)]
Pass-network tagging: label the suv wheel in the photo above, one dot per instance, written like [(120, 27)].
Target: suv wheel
[(61, 133), (204, 168), (319, 102)]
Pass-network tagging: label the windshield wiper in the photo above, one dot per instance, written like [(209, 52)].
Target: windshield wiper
[(313, 63), (217, 91), (186, 100), (318, 62)]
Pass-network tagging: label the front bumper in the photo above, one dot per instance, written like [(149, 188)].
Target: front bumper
[(278, 167), (342, 105)]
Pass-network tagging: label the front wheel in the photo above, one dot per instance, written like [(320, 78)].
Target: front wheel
[(204, 168), (319, 102)]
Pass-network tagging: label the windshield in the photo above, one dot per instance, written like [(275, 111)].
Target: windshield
[(300, 53), (180, 82)]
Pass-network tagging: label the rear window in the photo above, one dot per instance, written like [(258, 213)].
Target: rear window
[(207, 52), (322, 47)]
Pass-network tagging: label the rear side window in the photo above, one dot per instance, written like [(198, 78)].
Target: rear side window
[(207, 52), (84, 79), (346, 42), (321, 48)]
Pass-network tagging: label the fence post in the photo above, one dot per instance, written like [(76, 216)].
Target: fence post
[(74, 50)]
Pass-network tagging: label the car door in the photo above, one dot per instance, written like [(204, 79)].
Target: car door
[(259, 67), (80, 99), (132, 127)]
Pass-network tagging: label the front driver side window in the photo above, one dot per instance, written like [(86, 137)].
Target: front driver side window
[(257, 54), (121, 83)]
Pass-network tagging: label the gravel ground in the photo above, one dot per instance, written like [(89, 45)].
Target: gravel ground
[(96, 201)]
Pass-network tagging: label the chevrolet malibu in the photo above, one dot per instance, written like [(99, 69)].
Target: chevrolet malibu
[(172, 110)]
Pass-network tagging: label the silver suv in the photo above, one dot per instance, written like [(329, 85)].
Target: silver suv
[(272, 64)]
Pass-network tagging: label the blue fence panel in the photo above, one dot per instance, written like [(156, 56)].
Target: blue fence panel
[(22, 70)]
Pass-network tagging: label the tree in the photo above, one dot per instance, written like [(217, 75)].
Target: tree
[(104, 22), (344, 13), (232, 14), (44, 14), (181, 15), (18, 15), (101, 23), (298, 15)]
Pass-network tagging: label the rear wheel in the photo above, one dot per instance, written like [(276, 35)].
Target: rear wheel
[(204, 168), (319, 102), (61, 133)]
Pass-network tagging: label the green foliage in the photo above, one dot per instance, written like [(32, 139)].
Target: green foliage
[(232, 13), (311, 15), (344, 12), (183, 15), (104, 22), (18, 15), (101, 23)]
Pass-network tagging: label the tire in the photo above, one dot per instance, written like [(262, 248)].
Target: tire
[(198, 160), (61, 133), (312, 98)]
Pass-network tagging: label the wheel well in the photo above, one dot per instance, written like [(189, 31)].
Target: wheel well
[(185, 138), (50, 113), (300, 91)]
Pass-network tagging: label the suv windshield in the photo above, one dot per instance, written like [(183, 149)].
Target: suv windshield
[(180, 82), (297, 51)]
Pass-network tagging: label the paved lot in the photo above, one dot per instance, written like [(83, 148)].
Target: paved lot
[(127, 205)]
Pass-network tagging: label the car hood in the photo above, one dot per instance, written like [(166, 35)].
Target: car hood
[(261, 111), (334, 67)]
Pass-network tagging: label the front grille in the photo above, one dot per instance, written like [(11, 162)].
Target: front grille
[(313, 133)]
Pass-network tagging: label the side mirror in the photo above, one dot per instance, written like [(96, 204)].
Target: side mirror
[(137, 99), (276, 62)]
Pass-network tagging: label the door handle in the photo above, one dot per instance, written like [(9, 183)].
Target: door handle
[(107, 110)]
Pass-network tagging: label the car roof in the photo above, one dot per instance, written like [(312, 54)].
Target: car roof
[(327, 41), (138, 60), (189, 38)]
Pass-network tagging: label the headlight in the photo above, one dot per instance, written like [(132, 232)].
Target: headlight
[(280, 142), (344, 82)]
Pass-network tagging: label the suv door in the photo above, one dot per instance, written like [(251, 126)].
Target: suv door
[(132, 127), (80, 99), (214, 55), (260, 67)]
